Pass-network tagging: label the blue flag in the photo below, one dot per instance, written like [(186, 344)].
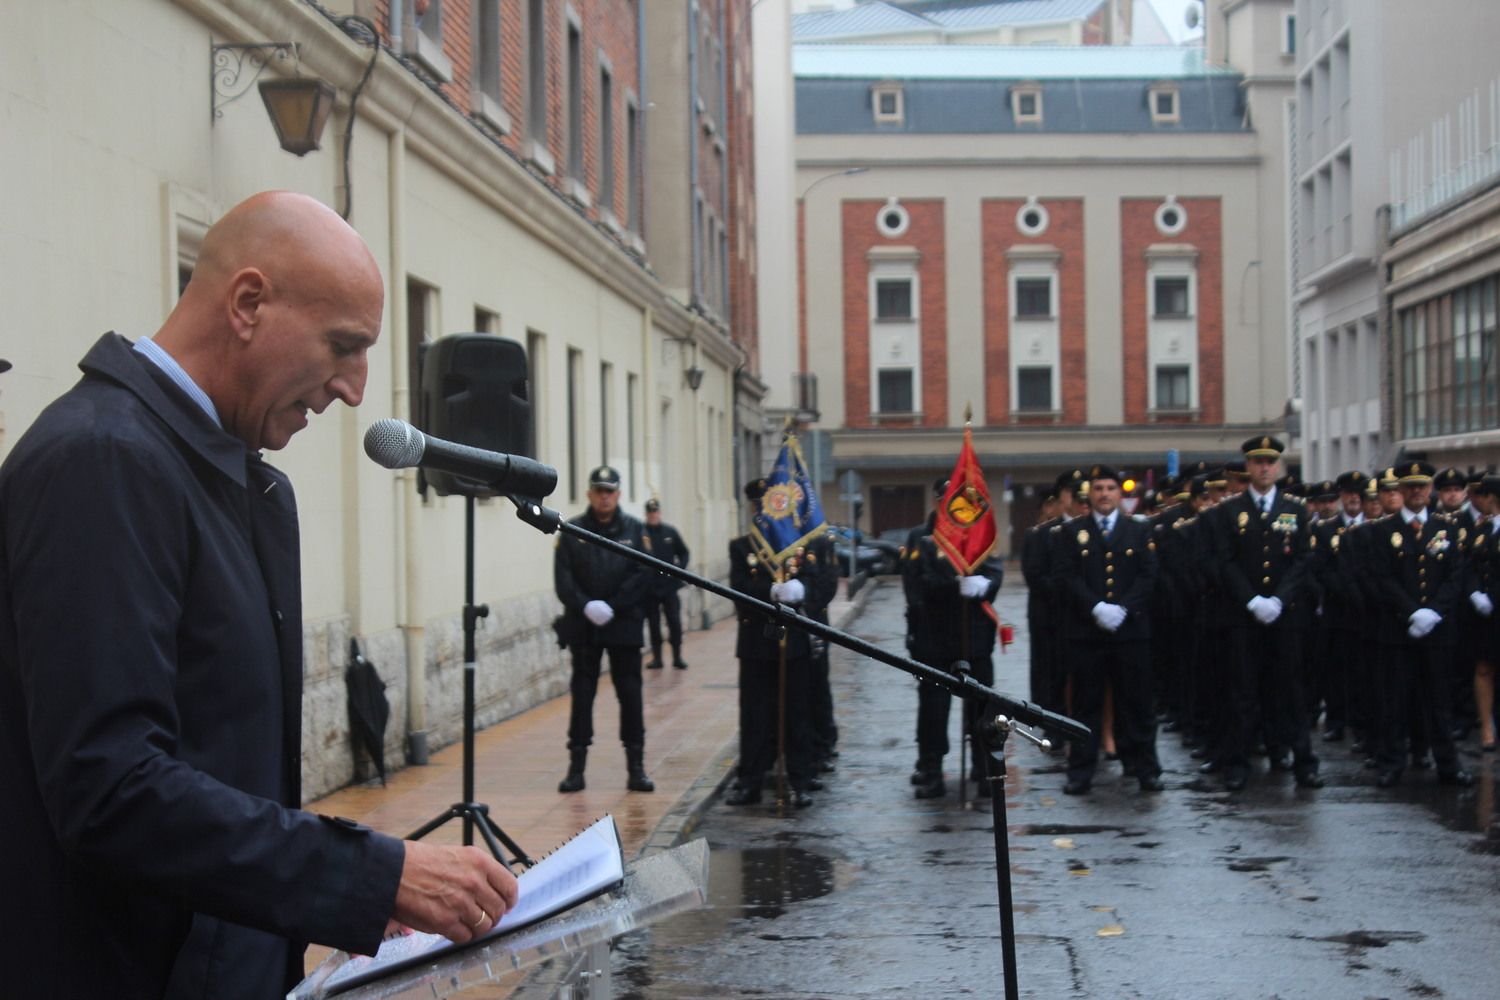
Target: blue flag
[(790, 514)]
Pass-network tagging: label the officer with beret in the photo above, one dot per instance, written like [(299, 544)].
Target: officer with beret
[(1417, 568), (809, 579), (1107, 568), (663, 541), (1262, 542), (603, 597)]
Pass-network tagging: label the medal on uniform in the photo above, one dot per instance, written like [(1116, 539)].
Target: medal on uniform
[(1395, 539), (750, 560), (1244, 519), (1083, 536)]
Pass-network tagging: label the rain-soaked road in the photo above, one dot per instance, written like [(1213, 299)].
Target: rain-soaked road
[(1348, 891)]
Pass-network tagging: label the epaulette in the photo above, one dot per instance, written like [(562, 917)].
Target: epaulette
[(1182, 521)]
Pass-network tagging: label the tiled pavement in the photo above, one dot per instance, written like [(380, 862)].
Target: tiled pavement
[(691, 739)]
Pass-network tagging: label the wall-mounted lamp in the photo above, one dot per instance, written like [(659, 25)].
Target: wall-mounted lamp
[(298, 106), (694, 377)]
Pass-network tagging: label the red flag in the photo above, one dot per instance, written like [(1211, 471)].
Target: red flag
[(965, 528)]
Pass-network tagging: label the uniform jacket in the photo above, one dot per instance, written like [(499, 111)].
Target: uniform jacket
[(915, 610), (150, 711), (1263, 554), (1482, 573), (1036, 568), (1334, 570), (1120, 571), (1177, 584), (939, 638), (584, 572), (664, 542), (750, 575), (1414, 569)]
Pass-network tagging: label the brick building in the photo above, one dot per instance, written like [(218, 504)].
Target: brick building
[(1083, 243)]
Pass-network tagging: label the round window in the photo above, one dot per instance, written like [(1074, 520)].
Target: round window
[(1032, 219), (892, 220), (1171, 218)]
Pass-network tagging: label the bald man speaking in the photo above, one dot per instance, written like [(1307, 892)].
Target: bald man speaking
[(151, 650)]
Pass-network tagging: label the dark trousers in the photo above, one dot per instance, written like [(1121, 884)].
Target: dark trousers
[(1124, 667), (1413, 691), (1266, 690), (625, 675), (1046, 675), (825, 732), (759, 720), (933, 704), (671, 606), (1341, 660)]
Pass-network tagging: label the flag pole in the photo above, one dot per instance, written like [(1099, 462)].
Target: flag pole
[(781, 727), (963, 714)]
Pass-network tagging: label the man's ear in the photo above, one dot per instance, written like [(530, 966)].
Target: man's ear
[(245, 299)]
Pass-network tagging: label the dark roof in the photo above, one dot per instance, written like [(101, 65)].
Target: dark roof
[(844, 106)]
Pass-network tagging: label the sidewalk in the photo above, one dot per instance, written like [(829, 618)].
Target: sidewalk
[(692, 722)]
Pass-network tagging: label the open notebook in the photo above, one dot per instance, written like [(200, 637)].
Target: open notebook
[(589, 864)]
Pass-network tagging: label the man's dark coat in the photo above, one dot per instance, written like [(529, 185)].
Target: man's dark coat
[(150, 711)]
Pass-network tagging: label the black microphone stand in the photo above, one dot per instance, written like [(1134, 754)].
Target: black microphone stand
[(474, 814), (996, 714)]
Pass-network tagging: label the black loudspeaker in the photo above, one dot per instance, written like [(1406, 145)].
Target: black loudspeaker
[(474, 392)]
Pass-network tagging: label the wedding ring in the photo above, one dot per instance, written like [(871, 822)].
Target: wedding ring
[(484, 918)]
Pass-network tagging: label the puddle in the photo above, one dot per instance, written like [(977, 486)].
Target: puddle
[(1063, 829), (1367, 939)]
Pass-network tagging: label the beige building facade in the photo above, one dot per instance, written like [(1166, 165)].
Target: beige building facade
[(481, 220)]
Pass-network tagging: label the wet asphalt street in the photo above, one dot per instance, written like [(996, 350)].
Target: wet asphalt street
[(1347, 891)]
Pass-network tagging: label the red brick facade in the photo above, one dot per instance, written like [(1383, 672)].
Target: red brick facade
[(1000, 235), (1204, 234), (925, 234)]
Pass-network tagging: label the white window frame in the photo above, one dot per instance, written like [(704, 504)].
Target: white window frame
[(1044, 218), (1152, 277), (876, 277), (1016, 277), (892, 205), (1164, 333), (1053, 407), (1030, 90), (895, 343), (1289, 33), (916, 390), (425, 44), (1156, 369), (895, 90), (1165, 90)]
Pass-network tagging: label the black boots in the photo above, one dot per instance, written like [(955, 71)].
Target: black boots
[(928, 777), (655, 662), (638, 782), (677, 661), (574, 781)]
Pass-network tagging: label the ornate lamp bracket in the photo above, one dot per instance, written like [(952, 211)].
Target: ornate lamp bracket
[(230, 63)]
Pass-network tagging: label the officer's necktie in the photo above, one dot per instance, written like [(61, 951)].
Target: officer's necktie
[(1107, 525), (1265, 505)]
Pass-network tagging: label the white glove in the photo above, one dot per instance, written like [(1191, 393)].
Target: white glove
[(790, 592), (1265, 609), (598, 612), (1482, 603), (1274, 603), (1109, 617), (973, 586), (1422, 621)]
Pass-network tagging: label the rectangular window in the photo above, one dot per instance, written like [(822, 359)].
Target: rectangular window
[(419, 299), (606, 376), (633, 168), (1173, 388), (893, 298), (486, 321), (536, 76), (606, 140), (1034, 389), (1026, 104), (1033, 297), (1288, 34), (575, 390), (632, 389), (575, 102), (536, 375), (1164, 104), (889, 105), (487, 47), (1170, 298), (896, 391)]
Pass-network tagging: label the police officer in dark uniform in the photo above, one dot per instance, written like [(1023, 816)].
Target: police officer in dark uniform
[(950, 605), (603, 596), (1262, 540), (1482, 583), (663, 542), (1449, 491), (1047, 679), (1418, 569), (1343, 608), (1107, 567), (1171, 604), (810, 579), (925, 773)]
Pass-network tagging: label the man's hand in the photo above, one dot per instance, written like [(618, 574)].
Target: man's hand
[(458, 892), (1265, 609), (1109, 617), (973, 586), (598, 612), (1482, 603)]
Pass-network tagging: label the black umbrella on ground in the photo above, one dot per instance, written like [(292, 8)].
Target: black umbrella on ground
[(369, 710)]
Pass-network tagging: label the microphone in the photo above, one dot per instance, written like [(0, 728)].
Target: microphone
[(396, 444)]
